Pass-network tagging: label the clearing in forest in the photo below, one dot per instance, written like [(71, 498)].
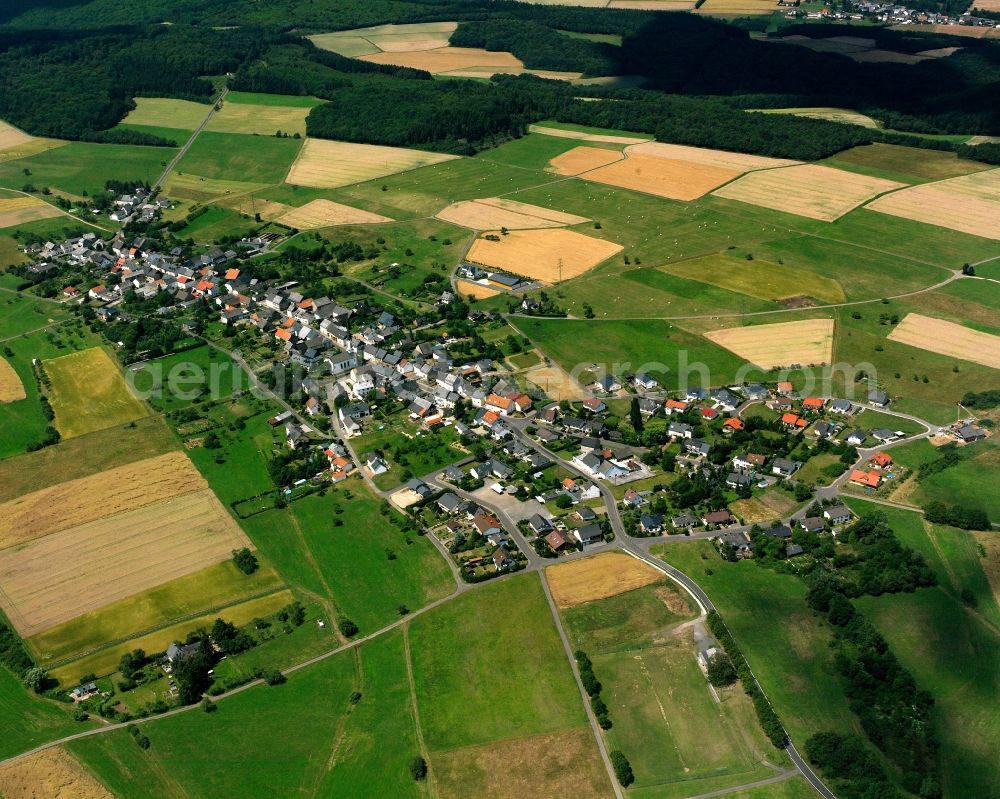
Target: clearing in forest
[(264, 120), (325, 164), (96, 496), (809, 341), (324, 213), (548, 256), (11, 387), (968, 204), (844, 115), (948, 338), (810, 190), (52, 773), (88, 393), (56, 578), (494, 213), (582, 159), (167, 112), (18, 210), (598, 577)]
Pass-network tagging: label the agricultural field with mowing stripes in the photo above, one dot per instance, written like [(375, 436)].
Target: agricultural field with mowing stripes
[(52, 772), (328, 164), (807, 342), (89, 393), (948, 338), (549, 256)]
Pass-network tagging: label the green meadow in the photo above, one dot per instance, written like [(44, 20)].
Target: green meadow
[(786, 644), (81, 168), (237, 156), (498, 641), (29, 721)]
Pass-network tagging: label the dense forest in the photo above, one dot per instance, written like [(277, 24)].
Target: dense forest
[(702, 76)]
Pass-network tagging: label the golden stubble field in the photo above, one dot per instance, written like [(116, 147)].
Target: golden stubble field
[(547, 256), (55, 578), (264, 120), (598, 577), (968, 204), (604, 138), (50, 774), (15, 143), (324, 164), (11, 388), (324, 213), (673, 171), (948, 338), (805, 342), (583, 159), (89, 393), (18, 210), (493, 213), (97, 496), (810, 190)]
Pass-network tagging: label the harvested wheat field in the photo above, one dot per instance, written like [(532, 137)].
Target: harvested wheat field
[(12, 137), (387, 38), (264, 120), (449, 59), (601, 576), (18, 210), (738, 162), (806, 342), (476, 290), (583, 136), (582, 159), (986, 5), (547, 256), (249, 205), (11, 387), (948, 338), (56, 578), (89, 393), (735, 7), (494, 213), (97, 496), (50, 774), (968, 204), (15, 143), (556, 383), (664, 177), (514, 768), (844, 115), (324, 213), (810, 190), (324, 164)]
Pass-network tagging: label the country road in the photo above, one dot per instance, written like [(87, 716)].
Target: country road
[(187, 145)]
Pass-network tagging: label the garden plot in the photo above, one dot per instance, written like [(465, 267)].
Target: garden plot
[(810, 190), (87, 499), (805, 342), (582, 159), (494, 213), (968, 204), (323, 213), (948, 338), (598, 577), (56, 578), (548, 256), (325, 164)]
